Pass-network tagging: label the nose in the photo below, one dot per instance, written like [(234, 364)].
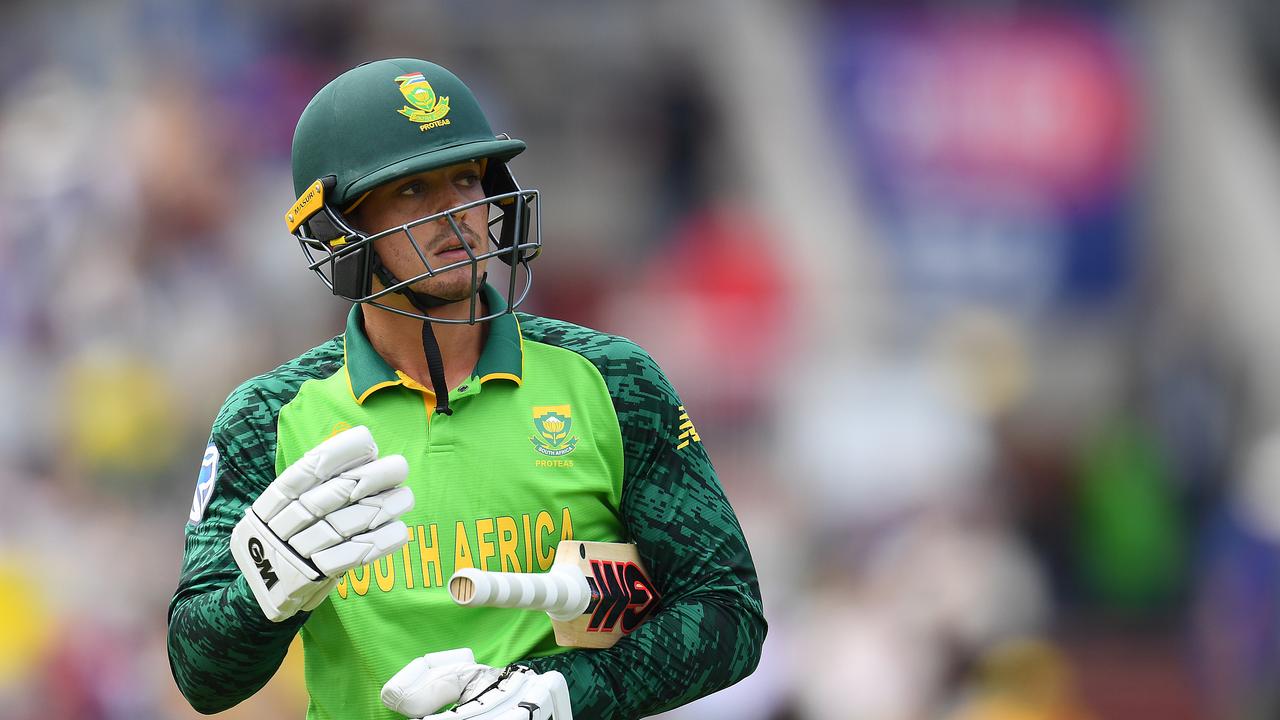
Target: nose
[(448, 199), (451, 196)]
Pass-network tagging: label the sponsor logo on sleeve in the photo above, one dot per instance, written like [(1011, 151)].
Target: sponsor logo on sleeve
[(688, 433), (204, 484)]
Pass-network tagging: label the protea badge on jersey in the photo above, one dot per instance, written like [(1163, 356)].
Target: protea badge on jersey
[(389, 119)]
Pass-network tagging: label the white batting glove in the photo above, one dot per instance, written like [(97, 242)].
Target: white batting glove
[(336, 508), (480, 692)]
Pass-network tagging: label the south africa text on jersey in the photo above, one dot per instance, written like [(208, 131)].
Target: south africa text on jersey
[(526, 543)]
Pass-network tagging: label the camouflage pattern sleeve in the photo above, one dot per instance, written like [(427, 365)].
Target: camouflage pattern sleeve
[(222, 649), (710, 626)]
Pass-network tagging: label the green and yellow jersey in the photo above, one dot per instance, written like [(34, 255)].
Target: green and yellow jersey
[(561, 432)]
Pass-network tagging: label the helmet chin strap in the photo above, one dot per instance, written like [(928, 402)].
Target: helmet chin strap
[(424, 302)]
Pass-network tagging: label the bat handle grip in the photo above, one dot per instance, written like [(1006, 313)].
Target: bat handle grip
[(562, 591)]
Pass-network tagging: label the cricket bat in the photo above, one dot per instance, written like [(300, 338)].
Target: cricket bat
[(595, 592)]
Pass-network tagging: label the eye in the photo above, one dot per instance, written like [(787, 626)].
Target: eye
[(468, 179), (410, 189)]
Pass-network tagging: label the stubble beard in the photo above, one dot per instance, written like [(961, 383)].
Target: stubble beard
[(455, 285)]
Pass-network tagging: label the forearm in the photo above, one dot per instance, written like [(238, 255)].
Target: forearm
[(687, 650), (221, 647)]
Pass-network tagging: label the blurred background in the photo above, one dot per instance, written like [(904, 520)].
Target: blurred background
[(973, 304)]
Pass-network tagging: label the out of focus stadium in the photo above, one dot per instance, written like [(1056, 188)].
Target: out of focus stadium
[(974, 304)]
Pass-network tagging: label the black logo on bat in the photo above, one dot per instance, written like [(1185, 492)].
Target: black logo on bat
[(619, 592)]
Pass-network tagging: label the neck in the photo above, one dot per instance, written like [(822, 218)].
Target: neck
[(398, 339)]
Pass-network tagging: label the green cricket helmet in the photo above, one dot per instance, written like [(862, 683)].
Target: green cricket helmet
[(382, 121)]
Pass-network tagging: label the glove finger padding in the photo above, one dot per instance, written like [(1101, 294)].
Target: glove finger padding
[(372, 512), (361, 549), (518, 694), (337, 507), (377, 476), (355, 484), (352, 520), (344, 451), (348, 514), (431, 682)]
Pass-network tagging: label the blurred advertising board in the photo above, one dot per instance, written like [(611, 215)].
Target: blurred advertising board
[(996, 152)]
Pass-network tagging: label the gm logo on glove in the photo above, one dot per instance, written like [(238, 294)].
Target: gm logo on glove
[(256, 552)]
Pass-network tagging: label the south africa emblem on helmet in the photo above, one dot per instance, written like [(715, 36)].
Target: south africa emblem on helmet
[(553, 424), (426, 107)]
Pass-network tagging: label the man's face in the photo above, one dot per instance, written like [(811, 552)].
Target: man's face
[(417, 196)]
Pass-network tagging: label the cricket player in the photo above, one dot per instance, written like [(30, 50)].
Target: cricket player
[(444, 430)]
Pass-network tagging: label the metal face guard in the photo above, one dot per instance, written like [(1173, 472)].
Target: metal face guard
[(341, 256)]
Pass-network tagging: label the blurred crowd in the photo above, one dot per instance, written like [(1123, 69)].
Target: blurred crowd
[(972, 303)]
